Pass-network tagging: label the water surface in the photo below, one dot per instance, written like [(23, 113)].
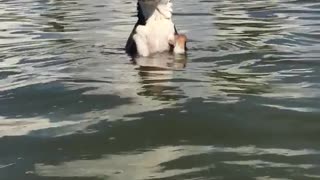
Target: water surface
[(243, 104)]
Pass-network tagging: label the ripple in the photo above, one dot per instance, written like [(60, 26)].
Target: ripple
[(145, 165), (242, 104), (263, 164)]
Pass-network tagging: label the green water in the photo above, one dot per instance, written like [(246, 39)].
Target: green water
[(244, 103)]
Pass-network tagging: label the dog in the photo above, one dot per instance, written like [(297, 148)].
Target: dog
[(154, 31)]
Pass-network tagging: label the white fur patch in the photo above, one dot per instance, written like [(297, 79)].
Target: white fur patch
[(155, 35)]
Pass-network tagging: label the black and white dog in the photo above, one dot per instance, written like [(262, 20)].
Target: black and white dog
[(154, 32)]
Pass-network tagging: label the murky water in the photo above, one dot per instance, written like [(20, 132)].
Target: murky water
[(244, 103)]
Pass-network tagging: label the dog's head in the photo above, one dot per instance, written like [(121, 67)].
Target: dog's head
[(179, 44)]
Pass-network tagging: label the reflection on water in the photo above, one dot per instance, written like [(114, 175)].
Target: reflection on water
[(243, 103), (157, 74)]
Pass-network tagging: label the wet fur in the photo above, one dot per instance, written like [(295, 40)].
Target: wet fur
[(131, 46)]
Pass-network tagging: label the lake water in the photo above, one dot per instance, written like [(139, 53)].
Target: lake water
[(243, 104)]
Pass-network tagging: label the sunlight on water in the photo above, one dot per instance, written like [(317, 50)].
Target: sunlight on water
[(244, 103), (151, 164)]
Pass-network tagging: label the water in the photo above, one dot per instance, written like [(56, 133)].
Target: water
[(244, 103)]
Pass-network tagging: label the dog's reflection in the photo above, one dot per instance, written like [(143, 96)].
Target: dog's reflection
[(163, 61), (158, 73)]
